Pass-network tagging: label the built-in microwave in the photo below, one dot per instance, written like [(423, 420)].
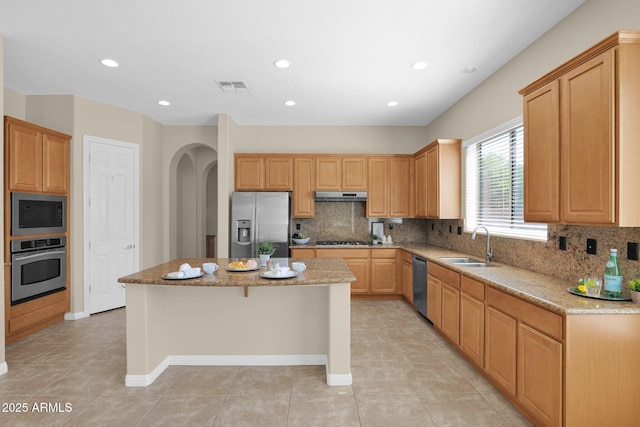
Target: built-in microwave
[(38, 214)]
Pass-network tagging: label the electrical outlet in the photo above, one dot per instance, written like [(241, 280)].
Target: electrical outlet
[(632, 251), (459, 230), (297, 226), (390, 226), (592, 246), (432, 227), (450, 230), (562, 244)]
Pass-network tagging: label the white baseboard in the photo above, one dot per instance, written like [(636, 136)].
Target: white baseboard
[(239, 360), (76, 316), (4, 368)]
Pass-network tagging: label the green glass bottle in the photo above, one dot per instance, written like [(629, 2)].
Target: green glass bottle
[(613, 276)]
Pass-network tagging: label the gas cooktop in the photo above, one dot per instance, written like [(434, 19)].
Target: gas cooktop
[(341, 243)]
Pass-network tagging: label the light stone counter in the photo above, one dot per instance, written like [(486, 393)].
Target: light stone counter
[(539, 289), (231, 318)]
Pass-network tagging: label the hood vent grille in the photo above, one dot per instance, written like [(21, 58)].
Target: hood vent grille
[(341, 196), (233, 86)]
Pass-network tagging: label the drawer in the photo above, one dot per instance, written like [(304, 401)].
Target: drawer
[(537, 317), (384, 253), (472, 287), (407, 256), (342, 253), (445, 275), (303, 253)]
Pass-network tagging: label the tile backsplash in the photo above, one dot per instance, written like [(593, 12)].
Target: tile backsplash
[(347, 221)]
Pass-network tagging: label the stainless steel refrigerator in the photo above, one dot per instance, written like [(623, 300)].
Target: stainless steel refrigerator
[(259, 217)]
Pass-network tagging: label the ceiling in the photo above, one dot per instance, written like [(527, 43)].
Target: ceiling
[(348, 57)]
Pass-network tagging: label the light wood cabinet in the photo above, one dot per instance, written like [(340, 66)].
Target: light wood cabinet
[(328, 173), (303, 197), (542, 154), (472, 320), (437, 176), (449, 301), (581, 137), (540, 375), (303, 253), (407, 276), (378, 187), (500, 349), (38, 158), (358, 261), (434, 306), (341, 173), (400, 186), (263, 172), (384, 271), (354, 173)]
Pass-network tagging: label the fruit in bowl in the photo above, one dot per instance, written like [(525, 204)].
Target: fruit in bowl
[(300, 239)]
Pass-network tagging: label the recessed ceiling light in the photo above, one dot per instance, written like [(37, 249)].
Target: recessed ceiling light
[(290, 103), (282, 63), (109, 63), (392, 104), (420, 65), (469, 70), (164, 103)]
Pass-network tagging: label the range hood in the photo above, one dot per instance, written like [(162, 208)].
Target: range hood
[(341, 196)]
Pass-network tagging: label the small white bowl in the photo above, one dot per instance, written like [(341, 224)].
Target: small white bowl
[(301, 241)]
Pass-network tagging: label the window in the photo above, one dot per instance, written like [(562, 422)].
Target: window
[(494, 183)]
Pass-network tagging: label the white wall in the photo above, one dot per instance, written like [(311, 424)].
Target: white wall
[(496, 100)]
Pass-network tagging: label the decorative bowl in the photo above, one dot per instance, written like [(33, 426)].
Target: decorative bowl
[(301, 241)]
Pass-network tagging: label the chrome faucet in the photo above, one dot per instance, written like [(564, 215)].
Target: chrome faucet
[(489, 254)]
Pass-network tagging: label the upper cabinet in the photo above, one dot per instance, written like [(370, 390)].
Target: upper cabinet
[(389, 186), (581, 137), (341, 173), (38, 158), (437, 180), (263, 172), (303, 187)]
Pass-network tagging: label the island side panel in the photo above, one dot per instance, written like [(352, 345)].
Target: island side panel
[(339, 357), (220, 321), (146, 326)]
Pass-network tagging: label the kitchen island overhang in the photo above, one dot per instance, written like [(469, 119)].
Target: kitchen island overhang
[(231, 318)]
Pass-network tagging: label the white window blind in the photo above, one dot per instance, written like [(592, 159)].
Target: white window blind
[(494, 184)]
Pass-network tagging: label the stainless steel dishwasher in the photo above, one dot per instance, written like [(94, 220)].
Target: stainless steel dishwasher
[(420, 284)]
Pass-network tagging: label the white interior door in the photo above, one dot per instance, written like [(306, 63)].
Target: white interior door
[(112, 225)]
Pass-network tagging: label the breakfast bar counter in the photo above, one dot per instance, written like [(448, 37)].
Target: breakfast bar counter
[(239, 318)]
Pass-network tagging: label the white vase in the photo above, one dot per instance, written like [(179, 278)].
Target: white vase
[(635, 296), (263, 259)]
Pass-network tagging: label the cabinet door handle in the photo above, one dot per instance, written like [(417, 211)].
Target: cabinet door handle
[(128, 247)]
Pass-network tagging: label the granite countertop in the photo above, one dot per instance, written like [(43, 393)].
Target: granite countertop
[(323, 271), (312, 245), (539, 289)]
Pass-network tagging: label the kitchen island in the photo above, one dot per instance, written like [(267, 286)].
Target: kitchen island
[(239, 318)]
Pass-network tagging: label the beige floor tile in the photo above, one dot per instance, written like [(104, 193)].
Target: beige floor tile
[(188, 411), (438, 378), (113, 411), (457, 410), (392, 410), (26, 380), (479, 382), (253, 411), (411, 352), (372, 353), (201, 380), (307, 411), (507, 411), (380, 380), (77, 353), (262, 381), (312, 380), (85, 380), (113, 354)]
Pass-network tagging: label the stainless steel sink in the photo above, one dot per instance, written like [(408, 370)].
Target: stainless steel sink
[(467, 262)]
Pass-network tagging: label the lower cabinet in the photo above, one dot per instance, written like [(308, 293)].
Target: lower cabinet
[(472, 320), (384, 271), (500, 356), (434, 307), (360, 269), (407, 276), (443, 301), (303, 253), (450, 325)]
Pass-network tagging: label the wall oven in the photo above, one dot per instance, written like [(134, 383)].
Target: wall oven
[(38, 268), (38, 214)]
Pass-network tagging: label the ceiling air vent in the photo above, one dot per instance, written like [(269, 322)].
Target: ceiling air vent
[(233, 86)]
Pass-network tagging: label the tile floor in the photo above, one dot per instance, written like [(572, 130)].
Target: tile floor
[(404, 374)]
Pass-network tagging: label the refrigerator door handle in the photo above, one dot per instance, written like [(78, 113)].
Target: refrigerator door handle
[(256, 233)]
